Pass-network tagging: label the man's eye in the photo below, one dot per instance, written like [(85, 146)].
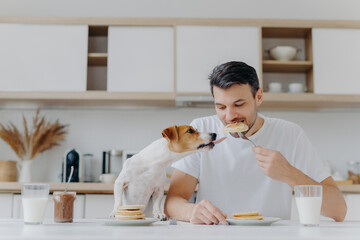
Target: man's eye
[(221, 108), (238, 105), (190, 130)]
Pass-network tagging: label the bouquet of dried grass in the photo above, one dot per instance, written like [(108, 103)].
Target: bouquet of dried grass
[(43, 136)]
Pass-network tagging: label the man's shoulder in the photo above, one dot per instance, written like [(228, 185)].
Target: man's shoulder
[(283, 124)]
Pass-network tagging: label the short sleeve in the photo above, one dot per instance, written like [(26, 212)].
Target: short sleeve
[(308, 161)]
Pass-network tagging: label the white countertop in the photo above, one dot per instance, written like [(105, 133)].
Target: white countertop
[(107, 188), (96, 229)]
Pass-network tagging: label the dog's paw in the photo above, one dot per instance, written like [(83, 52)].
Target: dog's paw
[(112, 215), (159, 215)]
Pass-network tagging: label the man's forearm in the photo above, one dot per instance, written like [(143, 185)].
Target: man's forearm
[(179, 208), (333, 203)]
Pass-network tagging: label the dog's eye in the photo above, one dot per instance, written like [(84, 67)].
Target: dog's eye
[(190, 130)]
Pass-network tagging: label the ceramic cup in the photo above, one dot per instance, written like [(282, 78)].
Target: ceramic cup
[(275, 87), (296, 87), (107, 178)]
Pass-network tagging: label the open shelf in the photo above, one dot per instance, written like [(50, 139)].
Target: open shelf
[(97, 59), (90, 98), (286, 66), (278, 101)]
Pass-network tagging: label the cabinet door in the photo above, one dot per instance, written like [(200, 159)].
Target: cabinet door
[(49, 213), (98, 205), (353, 207), (6, 203), (141, 59), (43, 57), (201, 48), (336, 54)]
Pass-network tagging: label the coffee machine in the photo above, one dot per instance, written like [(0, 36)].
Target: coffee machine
[(73, 158)]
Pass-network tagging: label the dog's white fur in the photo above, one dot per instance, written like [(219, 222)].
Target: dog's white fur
[(143, 175)]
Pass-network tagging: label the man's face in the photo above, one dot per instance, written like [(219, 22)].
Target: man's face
[(237, 104)]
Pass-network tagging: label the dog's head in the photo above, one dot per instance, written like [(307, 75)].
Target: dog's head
[(186, 139)]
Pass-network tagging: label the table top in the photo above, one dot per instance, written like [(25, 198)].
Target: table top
[(96, 229)]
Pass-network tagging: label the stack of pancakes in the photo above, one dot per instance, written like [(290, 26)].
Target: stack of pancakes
[(130, 212), (248, 216)]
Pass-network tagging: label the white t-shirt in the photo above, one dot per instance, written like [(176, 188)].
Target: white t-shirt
[(230, 178)]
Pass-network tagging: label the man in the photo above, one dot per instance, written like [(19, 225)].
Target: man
[(236, 176)]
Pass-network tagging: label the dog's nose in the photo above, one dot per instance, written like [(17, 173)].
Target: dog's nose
[(213, 136)]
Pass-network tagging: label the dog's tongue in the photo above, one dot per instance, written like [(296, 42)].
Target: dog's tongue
[(219, 140)]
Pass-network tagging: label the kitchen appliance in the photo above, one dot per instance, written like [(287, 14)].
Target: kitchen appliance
[(73, 158), (112, 162)]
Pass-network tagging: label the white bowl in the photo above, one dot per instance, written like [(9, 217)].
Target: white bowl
[(283, 53), (296, 88)]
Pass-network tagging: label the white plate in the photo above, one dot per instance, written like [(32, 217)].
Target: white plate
[(267, 221), (114, 222)]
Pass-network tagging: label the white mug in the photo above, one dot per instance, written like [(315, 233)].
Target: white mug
[(107, 178), (296, 87), (275, 87)]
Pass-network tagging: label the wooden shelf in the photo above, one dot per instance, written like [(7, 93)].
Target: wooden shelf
[(89, 98), (283, 32), (97, 59), (98, 31), (286, 66), (296, 101), (279, 101)]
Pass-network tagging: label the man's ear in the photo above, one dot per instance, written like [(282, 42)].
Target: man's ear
[(259, 97), (170, 133)]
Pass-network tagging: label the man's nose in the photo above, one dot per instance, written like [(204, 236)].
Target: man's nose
[(231, 115)]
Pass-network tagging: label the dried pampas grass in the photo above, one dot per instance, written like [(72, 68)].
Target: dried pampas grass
[(43, 136)]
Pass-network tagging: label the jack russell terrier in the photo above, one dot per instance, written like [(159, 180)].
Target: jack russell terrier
[(143, 175)]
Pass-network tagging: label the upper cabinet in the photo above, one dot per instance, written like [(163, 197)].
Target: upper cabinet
[(43, 57), (336, 61), (167, 61), (200, 48), (140, 59)]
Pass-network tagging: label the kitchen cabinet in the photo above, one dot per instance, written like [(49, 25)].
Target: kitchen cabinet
[(79, 203), (353, 205), (43, 57), (336, 61), (300, 69), (6, 205), (140, 59), (201, 48), (98, 205), (175, 55)]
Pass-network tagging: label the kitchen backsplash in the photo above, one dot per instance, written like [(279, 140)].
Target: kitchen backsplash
[(335, 133)]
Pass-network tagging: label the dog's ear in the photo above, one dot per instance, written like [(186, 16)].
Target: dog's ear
[(170, 133)]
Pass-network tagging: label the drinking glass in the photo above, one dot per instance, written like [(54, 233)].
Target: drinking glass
[(308, 201), (34, 200)]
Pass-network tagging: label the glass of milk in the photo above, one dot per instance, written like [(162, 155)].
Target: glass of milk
[(34, 199), (308, 201)]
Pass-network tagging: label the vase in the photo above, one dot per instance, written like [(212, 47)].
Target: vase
[(25, 171)]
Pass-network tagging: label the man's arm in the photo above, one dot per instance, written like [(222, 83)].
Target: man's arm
[(177, 202), (274, 165)]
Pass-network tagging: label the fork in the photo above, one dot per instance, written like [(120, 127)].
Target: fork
[(246, 138)]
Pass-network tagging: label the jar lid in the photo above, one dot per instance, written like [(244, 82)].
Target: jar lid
[(116, 152)]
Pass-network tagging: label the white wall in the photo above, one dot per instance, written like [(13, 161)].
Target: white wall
[(334, 133), (281, 9)]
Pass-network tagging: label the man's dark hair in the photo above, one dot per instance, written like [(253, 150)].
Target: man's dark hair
[(230, 73)]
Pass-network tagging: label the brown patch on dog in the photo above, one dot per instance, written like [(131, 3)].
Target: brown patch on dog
[(182, 138)]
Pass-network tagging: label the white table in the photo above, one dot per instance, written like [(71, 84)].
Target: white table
[(95, 229)]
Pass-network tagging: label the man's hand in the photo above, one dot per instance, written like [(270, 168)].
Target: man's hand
[(273, 164), (206, 213)]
